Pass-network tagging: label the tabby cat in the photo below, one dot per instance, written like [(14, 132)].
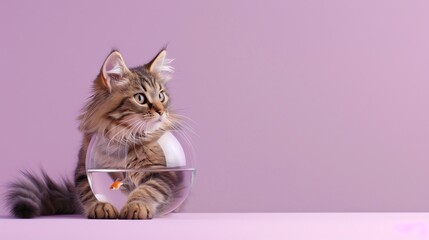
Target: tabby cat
[(128, 107)]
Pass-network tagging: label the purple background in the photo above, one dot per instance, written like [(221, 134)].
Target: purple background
[(299, 105)]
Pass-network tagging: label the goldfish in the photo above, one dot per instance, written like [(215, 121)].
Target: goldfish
[(116, 184)]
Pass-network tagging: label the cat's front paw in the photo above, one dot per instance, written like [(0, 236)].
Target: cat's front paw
[(136, 210), (102, 210)]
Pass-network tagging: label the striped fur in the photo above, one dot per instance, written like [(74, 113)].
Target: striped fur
[(34, 195), (113, 112)]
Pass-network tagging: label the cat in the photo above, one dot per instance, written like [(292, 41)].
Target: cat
[(128, 107)]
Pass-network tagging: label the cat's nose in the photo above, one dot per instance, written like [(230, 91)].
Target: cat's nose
[(159, 111), (157, 107)]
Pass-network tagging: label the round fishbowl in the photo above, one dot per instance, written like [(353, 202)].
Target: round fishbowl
[(160, 173)]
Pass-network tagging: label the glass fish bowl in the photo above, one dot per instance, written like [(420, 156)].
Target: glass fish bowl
[(168, 177)]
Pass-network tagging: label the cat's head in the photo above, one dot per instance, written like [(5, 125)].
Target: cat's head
[(130, 105)]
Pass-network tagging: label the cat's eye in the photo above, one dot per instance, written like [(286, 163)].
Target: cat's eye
[(161, 96), (140, 98)]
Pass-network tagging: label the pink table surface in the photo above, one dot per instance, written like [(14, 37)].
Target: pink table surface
[(226, 226)]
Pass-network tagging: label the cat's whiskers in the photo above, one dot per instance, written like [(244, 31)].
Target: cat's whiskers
[(181, 125), (177, 128), (122, 123), (113, 138), (132, 135), (132, 121), (183, 117), (182, 122), (140, 130), (126, 137)]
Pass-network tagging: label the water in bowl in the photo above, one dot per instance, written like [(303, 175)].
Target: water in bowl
[(101, 181)]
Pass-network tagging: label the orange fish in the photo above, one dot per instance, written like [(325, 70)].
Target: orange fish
[(116, 184)]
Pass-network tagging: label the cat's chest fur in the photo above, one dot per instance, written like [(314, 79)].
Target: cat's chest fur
[(114, 155)]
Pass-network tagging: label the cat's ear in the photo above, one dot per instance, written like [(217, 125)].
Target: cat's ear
[(160, 65), (113, 70)]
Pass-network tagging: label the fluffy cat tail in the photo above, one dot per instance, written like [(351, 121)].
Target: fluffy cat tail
[(32, 196)]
